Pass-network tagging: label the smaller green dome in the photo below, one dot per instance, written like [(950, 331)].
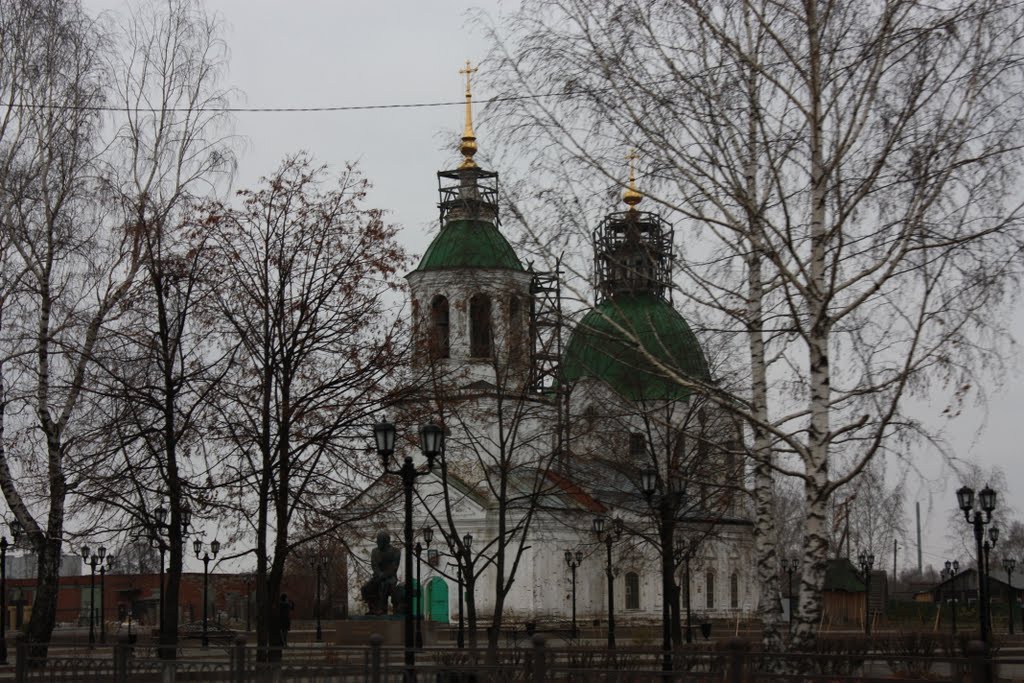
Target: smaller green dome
[(469, 244), (598, 349)]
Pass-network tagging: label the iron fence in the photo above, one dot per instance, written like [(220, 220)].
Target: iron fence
[(726, 662)]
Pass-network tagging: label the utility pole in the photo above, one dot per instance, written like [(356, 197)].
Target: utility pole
[(920, 563), (894, 563)]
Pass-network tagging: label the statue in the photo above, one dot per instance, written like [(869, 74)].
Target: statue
[(383, 584)]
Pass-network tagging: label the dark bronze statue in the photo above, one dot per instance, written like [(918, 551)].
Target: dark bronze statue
[(383, 584)]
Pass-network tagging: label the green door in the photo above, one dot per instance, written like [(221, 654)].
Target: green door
[(437, 595)]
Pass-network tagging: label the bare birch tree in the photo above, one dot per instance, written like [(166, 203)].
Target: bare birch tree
[(846, 174), (171, 151), (76, 266)]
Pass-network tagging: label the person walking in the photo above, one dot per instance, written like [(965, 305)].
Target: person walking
[(285, 618)]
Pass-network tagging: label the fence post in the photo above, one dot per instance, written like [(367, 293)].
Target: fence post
[(375, 642), (122, 648), (21, 658), (736, 659), (977, 662), (540, 660), (238, 660)]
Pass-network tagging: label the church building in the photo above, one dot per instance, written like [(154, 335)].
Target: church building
[(581, 466)]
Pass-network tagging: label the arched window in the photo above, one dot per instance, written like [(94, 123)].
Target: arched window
[(480, 326), (632, 590), (439, 338), (637, 445), (734, 591), (709, 592)]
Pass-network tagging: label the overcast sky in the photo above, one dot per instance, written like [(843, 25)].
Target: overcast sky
[(329, 53)]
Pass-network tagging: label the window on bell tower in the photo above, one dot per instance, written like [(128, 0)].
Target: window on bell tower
[(480, 333), (439, 338)]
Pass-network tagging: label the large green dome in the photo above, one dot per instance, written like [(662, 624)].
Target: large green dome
[(599, 350), (469, 244)]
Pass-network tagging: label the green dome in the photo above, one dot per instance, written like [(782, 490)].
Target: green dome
[(469, 244), (599, 350)]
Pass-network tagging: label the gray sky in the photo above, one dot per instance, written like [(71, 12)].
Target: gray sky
[(327, 53)]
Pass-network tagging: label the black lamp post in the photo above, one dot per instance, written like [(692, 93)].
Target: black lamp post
[(950, 572), (789, 566), (867, 561), (688, 636), (103, 598), (609, 538), (428, 536), (249, 580), (1009, 564), (93, 560), (573, 560), (467, 543), (980, 517), (197, 546), (318, 565), (667, 501), (990, 542), (431, 444), (158, 542)]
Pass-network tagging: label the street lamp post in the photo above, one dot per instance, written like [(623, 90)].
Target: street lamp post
[(1009, 564), (431, 444), (789, 566), (614, 533), (573, 560), (950, 572), (156, 541), (417, 604), (670, 497), (978, 520), (318, 564), (866, 562), (249, 580), (92, 560), (428, 536), (990, 542), (467, 543), (197, 546), (103, 598)]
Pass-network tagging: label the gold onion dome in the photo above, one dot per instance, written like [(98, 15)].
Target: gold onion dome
[(468, 146), (632, 196)]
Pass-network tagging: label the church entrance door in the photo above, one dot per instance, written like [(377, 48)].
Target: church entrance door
[(437, 597)]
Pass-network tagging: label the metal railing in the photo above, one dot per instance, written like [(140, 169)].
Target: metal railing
[(731, 661)]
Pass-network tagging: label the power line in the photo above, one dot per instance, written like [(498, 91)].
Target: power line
[(265, 110)]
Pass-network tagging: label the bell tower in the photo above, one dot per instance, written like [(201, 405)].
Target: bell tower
[(471, 294)]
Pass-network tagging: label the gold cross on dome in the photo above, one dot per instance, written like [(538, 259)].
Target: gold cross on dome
[(468, 71)]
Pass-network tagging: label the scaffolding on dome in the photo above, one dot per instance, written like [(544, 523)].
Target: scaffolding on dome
[(633, 254), (467, 193)]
